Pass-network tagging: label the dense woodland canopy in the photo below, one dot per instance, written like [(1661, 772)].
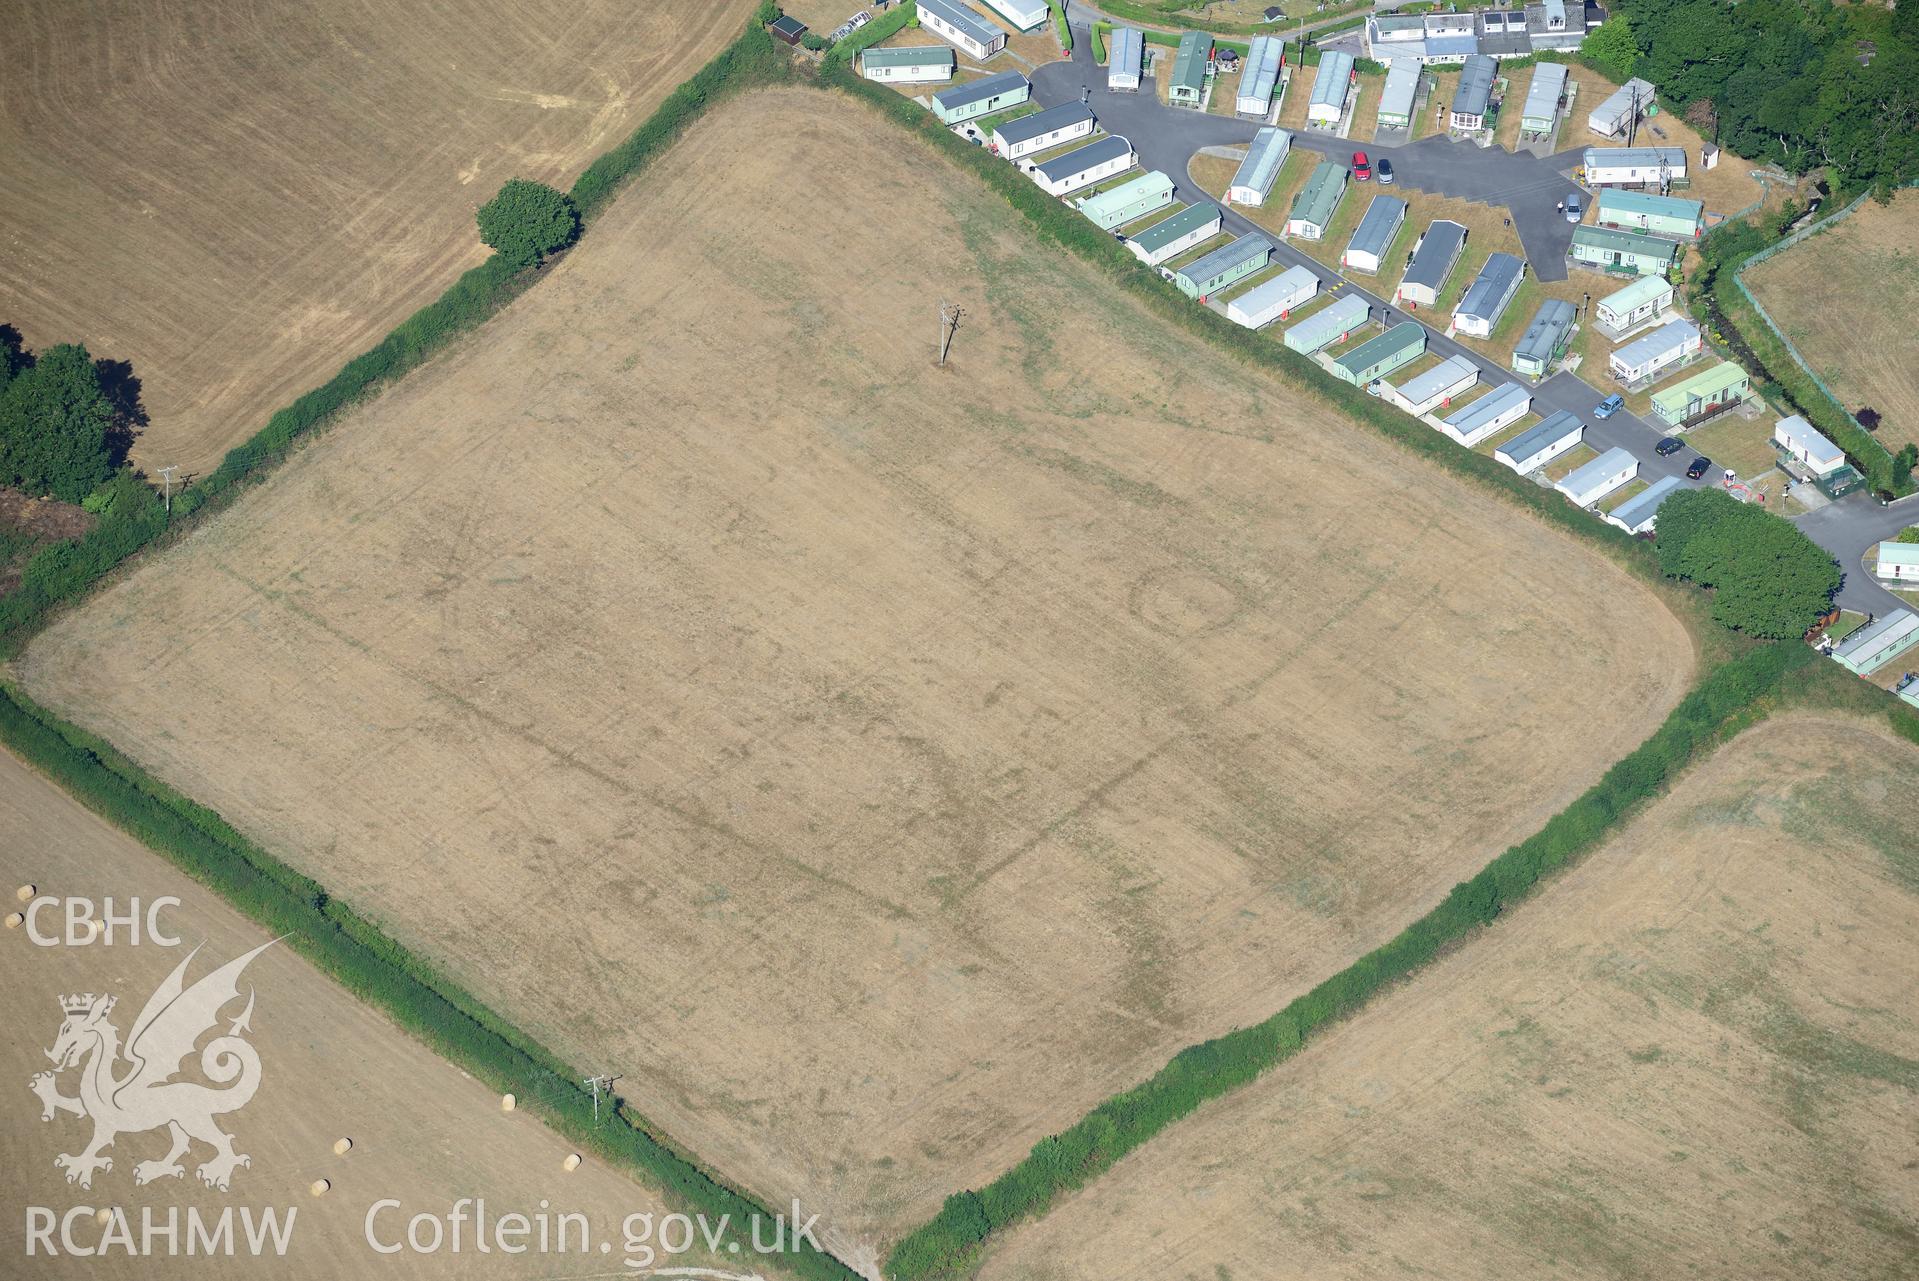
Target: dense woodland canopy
[(1798, 83)]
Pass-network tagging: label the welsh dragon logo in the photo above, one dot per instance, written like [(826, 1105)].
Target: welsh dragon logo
[(126, 1090)]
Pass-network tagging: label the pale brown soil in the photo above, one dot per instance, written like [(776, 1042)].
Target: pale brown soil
[(238, 198), (1696, 1054), (1845, 297), (422, 1131), (878, 764)]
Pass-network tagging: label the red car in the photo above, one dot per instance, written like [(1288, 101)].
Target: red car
[(1362, 167)]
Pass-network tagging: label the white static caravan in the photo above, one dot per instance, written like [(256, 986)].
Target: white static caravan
[(1027, 15), (963, 27), (1640, 513), (1084, 166), (1501, 407), (1646, 357), (1253, 181), (1436, 388), (1125, 59), (1807, 445), (1171, 237), (1275, 299), (1612, 117), (1375, 234), (1260, 76), (1592, 482), (1643, 167), (1541, 443), (1043, 130), (1487, 297), (1330, 85)]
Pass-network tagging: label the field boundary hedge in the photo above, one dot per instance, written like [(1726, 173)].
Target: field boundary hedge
[(378, 971), (1736, 694), (67, 570)]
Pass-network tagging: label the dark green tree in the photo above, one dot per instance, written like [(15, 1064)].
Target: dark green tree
[(1768, 578), (527, 221), (1610, 48), (1902, 464), (54, 420)]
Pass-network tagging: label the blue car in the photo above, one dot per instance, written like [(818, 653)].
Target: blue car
[(1609, 406)]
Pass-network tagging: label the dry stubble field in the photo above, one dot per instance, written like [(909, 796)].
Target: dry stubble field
[(423, 1131), (1696, 1054), (239, 197), (1845, 297), (838, 746)]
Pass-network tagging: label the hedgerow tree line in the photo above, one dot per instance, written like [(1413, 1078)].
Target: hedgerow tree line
[(1799, 85)]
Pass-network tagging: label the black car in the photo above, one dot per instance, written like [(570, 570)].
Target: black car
[(1667, 445), (1697, 467), (1385, 171)]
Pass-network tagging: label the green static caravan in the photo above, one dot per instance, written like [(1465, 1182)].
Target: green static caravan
[(1545, 339), (1327, 326), (1705, 394), (1173, 236), (1222, 267), (1378, 356), (908, 64), (981, 97), (1317, 201), (1672, 217), (1134, 198), (1621, 252), (1187, 85), (1401, 91), (1878, 643)]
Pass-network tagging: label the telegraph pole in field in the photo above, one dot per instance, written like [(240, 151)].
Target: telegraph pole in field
[(949, 325), (166, 486)]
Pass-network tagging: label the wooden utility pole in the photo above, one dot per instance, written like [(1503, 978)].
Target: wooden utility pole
[(166, 486), (949, 325)]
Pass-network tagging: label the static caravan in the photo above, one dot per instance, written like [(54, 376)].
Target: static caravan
[(912, 64), (1487, 297), (1498, 409), (1173, 236), (1125, 59), (1334, 323), (1806, 445), (1876, 644), (1705, 395), (1260, 76), (1650, 357), (1435, 388), (1084, 166), (1374, 237), (981, 97), (1254, 179), (1618, 314), (1187, 85), (1473, 99), (1223, 267), (1330, 86), (1397, 100), (1379, 355), (1640, 513), (1615, 115), (963, 27), (1043, 130), (1588, 484), (1273, 299), (1672, 217), (1131, 200), (1314, 206), (1546, 337), (1541, 111), (1432, 262), (1898, 562), (1541, 443), (1621, 252), (1026, 15), (1653, 168)]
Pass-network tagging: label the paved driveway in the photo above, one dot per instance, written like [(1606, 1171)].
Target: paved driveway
[(1846, 528)]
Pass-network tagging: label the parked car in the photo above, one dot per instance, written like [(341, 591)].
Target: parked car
[(1698, 467), (1667, 445), (1609, 406), (1572, 209), (1385, 171), (1362, 167)]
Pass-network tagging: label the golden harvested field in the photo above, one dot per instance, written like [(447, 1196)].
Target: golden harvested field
[(1845, 297), (839, 746), (238, 198), (1695, 1054), (423, 1132)]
